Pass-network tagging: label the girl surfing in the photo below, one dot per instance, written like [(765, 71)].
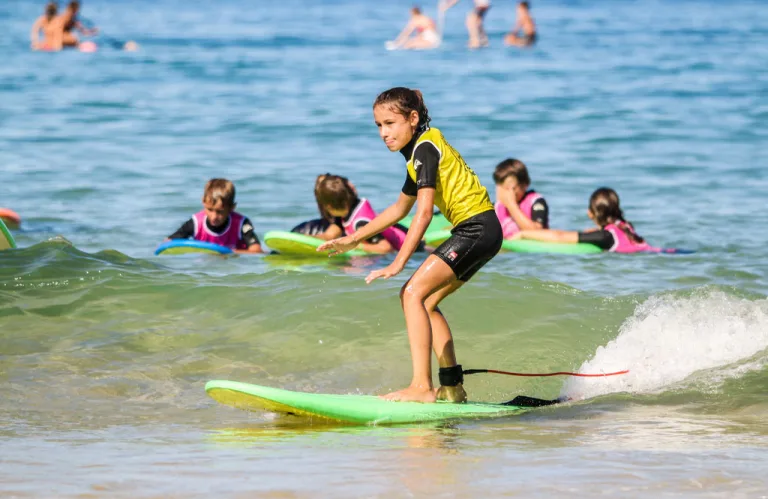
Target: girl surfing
[(436, 176)]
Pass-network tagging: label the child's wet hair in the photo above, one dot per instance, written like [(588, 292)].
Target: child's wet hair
[(525, 5), (415, 9), (219, 190), (334, 191), (404, 101), (605, 207), (512, 167)]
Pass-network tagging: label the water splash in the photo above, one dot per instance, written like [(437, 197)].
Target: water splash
[(669, 338)]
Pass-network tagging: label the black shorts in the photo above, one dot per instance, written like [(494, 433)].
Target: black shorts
[(472, 244)]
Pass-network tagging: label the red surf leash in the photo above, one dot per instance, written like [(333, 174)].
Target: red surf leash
[(541, 375)]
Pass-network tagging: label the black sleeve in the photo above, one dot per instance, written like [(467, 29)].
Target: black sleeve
[(247, 233), (600, 238), (409, 187), (540, 213), (185, 231), (373, 239), (426, 159)]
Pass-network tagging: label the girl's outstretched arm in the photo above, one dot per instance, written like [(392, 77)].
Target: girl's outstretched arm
[(387, 218), (426, 203), (549, 236)]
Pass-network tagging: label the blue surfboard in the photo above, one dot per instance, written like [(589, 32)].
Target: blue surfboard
[(184, 246)]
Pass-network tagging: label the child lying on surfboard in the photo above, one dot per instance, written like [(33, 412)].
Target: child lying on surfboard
[(218, 222), (613, 232), (344, 213)]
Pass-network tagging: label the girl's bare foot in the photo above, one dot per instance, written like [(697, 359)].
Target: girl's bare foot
[(413, 394)]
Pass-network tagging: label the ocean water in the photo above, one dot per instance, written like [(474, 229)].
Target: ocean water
[(105, 348)]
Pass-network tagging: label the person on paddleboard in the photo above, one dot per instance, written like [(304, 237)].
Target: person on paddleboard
[(436, 175), (424, 31), (613, 232), (517, 206), (218, 222), (51, 29)]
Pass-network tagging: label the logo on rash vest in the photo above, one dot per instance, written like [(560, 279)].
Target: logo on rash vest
[(452, 255), (416, 164)]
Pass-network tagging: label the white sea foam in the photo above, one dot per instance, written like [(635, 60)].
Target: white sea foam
[(669, 338)]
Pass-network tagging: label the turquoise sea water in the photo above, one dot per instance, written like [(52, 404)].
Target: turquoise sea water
[(105, 348)]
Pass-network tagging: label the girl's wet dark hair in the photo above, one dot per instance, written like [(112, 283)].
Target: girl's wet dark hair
[(604, 205), (404, 101), (334, 191)]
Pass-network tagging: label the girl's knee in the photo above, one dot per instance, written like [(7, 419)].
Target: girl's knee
[(409, 294)]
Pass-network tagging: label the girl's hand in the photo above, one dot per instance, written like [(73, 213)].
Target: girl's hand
[(390, 270), (339, 245), (516, 236)]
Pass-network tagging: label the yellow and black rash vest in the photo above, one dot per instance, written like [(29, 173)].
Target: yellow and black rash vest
[(432, 162)]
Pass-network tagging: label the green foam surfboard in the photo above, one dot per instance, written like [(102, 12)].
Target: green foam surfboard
[(525, 245), (291, 243), (360, 409), (438, 223), (6, 239)]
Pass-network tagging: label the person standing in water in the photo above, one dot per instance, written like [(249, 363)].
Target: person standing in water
[(70, 23), (436, 175), (52, 34), (426, 37), (525, 23), (477, 35)]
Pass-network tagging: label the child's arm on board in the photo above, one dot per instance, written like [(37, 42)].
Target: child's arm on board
[(380, 247), (332, 232), (508, 200), (249, 237), (186, 231), (253, 248), (426, 202), (387, 218), (549, 236)]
